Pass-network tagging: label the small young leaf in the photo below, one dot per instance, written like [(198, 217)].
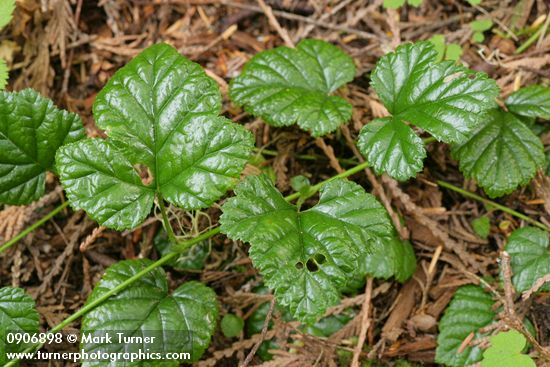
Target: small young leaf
[(391, 146), (232, 325), (453, 52), (529, 257), (481, 25), (415, 3), (307, 256), (474, 2), (284, 86), (469, 310), (531, 101), (482, 226), (4, 74), (505, 351), (183, 321), (390, 257), (438, 40), (17, 314), (159, 111), (393, 4), (31, 130), (442, 98), (6, 11), (501, 154)]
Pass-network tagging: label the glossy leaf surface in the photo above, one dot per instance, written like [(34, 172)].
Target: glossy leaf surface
[(285, 86), (17, 314), (531, 101), (469, 310), (390, 257), (442, 98), (307, 256), (181, 321), (501, 154), (391, 146), (529, 257), (31, 130), (160, 112)]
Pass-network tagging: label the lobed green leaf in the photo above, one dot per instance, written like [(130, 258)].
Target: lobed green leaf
[(31, 130), (390, 257), (305, 256), (146, 308), (469, 310), (285, 86), (17, 314), (505, 351), (160, 113), (501, 154), (529, 257), (531, 101), (442, 98)]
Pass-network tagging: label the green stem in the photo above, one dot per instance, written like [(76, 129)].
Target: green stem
[(305, 157), (34, 226), (493, 204), (177, 249), (165, 221), (529, 41)]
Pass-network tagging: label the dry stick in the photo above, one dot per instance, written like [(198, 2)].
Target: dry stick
[(325, 16), (329, 152), (264, 332), (536, 286), (275, 24), (365, 323)]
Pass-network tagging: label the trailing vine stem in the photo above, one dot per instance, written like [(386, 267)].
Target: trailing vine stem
[(177, 249), (492, 203)]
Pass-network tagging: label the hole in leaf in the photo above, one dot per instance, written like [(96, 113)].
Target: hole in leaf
[(299, 265), (312, 265), (144, 173), (319, 258)]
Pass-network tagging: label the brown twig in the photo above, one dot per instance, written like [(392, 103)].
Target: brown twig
[(264, 332), (365, 323), (275, 23)]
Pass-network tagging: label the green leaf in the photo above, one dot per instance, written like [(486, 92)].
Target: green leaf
[(17, 314), (284, 86), (390, 257), (469, 310), (99, 179), (478, 37), (305, 256), (531, 101), (442, 98), (453, 52), (474, 2), (6, 12), (529, 257), (393, 4), (501, 154), (31, 130), (391, 146), (160, 112), (415, 3), (481, 25), (182, 321), (190, 259), (4, 74), (438, 40), (505, 351), (232, 325), (482, 226)]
